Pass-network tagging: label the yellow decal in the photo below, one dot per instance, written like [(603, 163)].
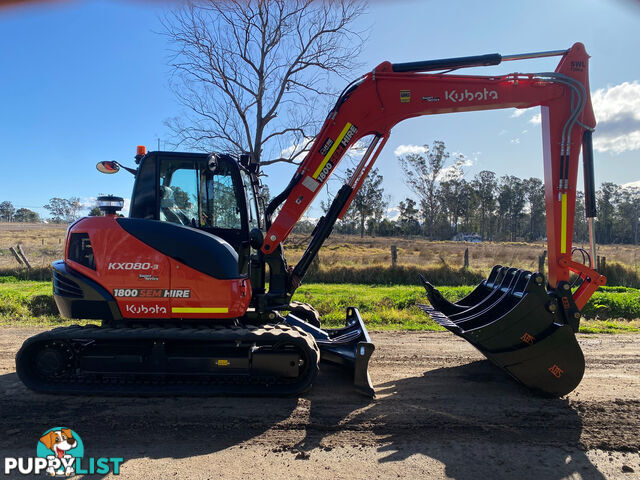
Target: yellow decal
[(223, 363), (332, 149), (405, 96), (200, 310), (563, 227)]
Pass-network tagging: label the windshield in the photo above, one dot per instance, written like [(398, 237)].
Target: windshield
[(192, 195)]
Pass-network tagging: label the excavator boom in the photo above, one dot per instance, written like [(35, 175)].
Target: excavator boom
[(391, 93), (516, 320)]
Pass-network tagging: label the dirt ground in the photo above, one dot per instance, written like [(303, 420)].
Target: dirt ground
[(441, 412)]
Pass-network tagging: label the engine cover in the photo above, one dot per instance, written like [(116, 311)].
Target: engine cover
[(156, 270)]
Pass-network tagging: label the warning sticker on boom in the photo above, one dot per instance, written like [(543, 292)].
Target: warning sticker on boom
[(310, 183), (338, 147)]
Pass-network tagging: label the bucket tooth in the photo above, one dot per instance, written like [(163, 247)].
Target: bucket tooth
[(509, 280), (516, 324), (437, 300), (478, 294)]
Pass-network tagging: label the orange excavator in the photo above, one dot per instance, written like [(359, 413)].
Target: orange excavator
[(194, 292)]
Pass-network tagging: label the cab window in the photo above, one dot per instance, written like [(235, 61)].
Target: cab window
[(192, 195), (179, 192), (221, 209)]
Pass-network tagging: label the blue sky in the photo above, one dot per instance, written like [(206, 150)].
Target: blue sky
[(84, 81)]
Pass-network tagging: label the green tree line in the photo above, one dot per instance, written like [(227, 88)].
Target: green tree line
[(446, 205)]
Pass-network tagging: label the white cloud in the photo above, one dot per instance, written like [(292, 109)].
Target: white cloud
[(448, 173), (617, 111), (503, 132), (519, 112), (536, 119), (392, 213), (294, 148), (635, 184), (87, 203), (127, 205), (514, 140), (456, 171), (406, 149)]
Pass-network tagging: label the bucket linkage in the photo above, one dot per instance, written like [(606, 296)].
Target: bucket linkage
[(518, 325)]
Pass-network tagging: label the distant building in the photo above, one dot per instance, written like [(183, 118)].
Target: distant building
[(467, 237)]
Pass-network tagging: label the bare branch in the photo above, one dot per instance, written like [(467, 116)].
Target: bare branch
[(252, 74)]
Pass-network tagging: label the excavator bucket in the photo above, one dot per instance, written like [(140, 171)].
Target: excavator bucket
[(518, 325)]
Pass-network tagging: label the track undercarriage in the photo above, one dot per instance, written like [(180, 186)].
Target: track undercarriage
[(273, 359)]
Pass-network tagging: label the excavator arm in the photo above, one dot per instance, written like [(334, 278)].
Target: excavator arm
[(391, 93)]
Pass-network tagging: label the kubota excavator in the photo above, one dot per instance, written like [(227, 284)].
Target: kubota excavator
[(181, 284)]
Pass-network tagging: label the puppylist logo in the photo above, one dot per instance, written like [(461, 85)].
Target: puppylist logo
[(60, 452)]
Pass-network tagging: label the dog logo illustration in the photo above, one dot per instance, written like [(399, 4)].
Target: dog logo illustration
[(61, 444), (60, 453)]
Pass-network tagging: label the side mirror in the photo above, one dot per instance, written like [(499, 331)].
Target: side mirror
[(212, 164), (108, 167), (256, 238)]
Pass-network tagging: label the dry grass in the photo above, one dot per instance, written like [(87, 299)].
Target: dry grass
[(346, 256), (42, 243), (346, 250)]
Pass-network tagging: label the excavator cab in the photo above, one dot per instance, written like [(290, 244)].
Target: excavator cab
[(211, 192)]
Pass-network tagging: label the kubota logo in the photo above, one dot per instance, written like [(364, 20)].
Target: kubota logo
[(132, 266), (144, 309), (469, 96)]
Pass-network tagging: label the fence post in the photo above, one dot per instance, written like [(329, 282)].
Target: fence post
[(24, 257), (466, 258), (394, 255), (541, 259), (16, 256)]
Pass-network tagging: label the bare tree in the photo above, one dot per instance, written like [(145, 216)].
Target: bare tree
[(251, 73)]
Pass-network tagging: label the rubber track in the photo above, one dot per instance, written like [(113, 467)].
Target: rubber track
[(215, 385)]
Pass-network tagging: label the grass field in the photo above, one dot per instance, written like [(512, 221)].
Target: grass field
[(612, 310), (351, 272)]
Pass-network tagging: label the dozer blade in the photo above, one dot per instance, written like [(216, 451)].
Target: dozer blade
[(517, 325), (349, 346)]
